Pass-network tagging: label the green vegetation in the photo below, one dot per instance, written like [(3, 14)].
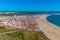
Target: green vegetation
[(23, 35), (4, 29)]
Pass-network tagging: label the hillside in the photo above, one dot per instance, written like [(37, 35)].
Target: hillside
[(23, 35)]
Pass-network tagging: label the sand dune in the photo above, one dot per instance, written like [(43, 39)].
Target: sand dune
[(49, 29)]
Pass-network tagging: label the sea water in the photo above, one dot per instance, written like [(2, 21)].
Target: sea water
[(55, 19)]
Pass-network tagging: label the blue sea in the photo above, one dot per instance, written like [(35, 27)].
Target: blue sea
[(55, 19)]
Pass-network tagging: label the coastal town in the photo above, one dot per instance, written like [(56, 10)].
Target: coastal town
[(19, 22), (31, 22)]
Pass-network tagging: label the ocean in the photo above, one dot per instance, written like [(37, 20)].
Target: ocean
[(55, 19)]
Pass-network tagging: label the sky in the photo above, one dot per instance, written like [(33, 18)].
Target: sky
[(29, 5)]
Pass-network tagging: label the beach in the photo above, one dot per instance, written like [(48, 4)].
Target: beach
[(50, 30)]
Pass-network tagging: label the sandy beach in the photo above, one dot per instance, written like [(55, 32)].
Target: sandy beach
[(50, 30)]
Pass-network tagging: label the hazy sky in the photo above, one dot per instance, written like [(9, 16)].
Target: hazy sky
[(30, 5)]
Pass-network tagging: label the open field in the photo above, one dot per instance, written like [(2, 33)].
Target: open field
[(4, 29), (16, 34), (23, 35)]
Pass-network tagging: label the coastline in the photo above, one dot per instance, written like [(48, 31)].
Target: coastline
[(44, 18), (50, 30)]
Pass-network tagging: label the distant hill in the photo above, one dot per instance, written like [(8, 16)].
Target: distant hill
[(28, 13)]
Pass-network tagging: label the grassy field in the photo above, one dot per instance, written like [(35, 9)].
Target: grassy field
[(4, 29), (23, 35)]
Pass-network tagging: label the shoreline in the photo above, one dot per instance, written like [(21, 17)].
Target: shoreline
[(50, 30), (49, 22)]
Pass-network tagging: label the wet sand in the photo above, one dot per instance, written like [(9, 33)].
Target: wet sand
[(50, 30)]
